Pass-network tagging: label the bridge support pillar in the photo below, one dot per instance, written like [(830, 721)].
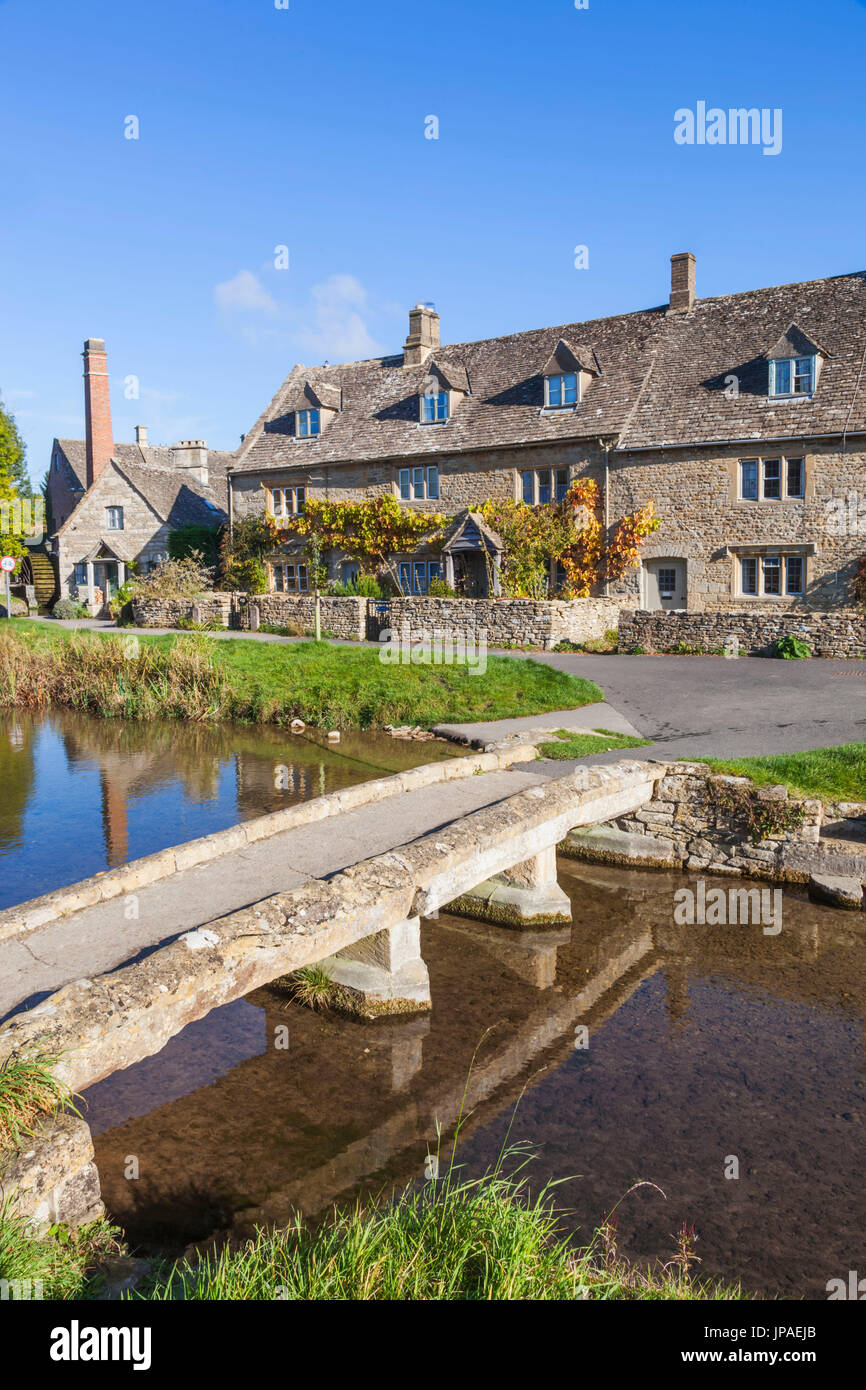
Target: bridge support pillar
[(383, 974), (525, 896)]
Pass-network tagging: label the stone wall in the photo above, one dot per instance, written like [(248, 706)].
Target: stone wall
[(166, 612), (839, 633), (340, 617), (682, 827), (506, 622), (52, 1177)]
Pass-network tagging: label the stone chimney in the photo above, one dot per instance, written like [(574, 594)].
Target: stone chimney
[(682, 283), (97, 409), (141, 435), (423, 335), (191, 456)]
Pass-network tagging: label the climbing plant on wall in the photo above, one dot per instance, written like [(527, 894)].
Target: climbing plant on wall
[(373, 531)]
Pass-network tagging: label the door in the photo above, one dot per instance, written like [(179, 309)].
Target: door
[(470, 574), (665, 584)]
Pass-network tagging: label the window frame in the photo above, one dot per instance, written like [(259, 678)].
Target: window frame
[(415, 476), (795, 373), (308, 418), (294, 494), (777, 562), (416, 576), (558, 483), (111, 512), (562, 378), (759, 464), (300, 577), (440, 407)]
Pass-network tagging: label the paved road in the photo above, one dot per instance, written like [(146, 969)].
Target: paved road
[(100, 938), (712, 706)]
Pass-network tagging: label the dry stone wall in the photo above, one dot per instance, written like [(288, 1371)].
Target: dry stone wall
[(505, 622), (836, 634)]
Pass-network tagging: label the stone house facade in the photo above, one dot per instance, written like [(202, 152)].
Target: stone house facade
[(114, 505), (742, 417)]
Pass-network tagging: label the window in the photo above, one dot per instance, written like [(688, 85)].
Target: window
[(558, 576), (772, 575), (561, 390), (286, 501), (290, 579), (114, 518), (307, 423), (792, 376), (762, 480), (749, 574), (667, 581), (434, 407), (795, 478), (419, 484), (541, 485), (79, 576), (417, 575)]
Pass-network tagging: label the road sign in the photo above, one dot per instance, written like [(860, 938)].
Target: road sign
[(8, 563)]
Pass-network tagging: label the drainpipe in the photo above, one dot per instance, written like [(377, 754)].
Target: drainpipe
[(606, 447)]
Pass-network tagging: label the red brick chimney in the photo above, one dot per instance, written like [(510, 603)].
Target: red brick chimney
[(97, 408)]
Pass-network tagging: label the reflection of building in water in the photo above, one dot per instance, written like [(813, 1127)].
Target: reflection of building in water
[(16, 774)]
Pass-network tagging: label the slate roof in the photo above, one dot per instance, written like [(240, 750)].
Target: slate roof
[(174, 493), (662, 382)]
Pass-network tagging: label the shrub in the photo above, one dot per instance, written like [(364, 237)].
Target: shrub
[(248, 575), (194, 541), (186, 578), (440, 588), (66, 608), (792, 648), (359, 586), (744, 808)]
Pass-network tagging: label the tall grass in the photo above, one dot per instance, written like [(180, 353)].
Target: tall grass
[(451, 1240), (28, 1090), (61, 1263), (196, 678)]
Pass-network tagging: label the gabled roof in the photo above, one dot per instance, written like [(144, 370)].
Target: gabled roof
[(664, 382), (794, 343), (451, 374), (318, 395), (566, 358), (471, 532), (159, 479)]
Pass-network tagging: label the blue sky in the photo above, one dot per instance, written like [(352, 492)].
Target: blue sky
[(305, 127)]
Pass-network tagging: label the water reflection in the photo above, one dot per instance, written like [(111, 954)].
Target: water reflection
[(703, 1043), (81, 795)]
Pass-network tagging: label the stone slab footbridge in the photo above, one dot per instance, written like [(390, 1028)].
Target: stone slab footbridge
[(190, 929)]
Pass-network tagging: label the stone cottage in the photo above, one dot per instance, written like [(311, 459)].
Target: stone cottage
[(742, 417), (114, 504)]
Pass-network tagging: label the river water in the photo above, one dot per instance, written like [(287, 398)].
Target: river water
[(709, 1050)]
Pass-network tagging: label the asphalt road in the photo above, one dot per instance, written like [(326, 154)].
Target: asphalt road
[(719, 707)]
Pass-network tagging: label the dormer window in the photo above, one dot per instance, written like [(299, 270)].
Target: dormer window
[(792, 376), (561, 390), (434, 407), (307, 423)]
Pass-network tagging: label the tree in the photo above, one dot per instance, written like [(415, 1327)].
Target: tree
[(14, 484)]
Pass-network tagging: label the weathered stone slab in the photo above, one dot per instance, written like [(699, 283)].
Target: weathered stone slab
[(837, 891), (605, 844), (53, 1177)]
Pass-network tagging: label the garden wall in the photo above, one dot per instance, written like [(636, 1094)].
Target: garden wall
[(340, 617), (840, 633), (506, 622), (165, 612)]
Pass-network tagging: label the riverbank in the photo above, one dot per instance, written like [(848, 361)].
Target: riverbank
[(449, 1241), (336, 687)]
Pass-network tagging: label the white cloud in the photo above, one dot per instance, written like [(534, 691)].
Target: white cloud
[(337, 329), (244, 293)]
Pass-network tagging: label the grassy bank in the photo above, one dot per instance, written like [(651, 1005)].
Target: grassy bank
[(200, 679), (449, 1241), (828, 774), (62, 1263)]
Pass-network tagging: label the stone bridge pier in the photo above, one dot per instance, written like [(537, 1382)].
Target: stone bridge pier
[(525, 896), (385, 973)]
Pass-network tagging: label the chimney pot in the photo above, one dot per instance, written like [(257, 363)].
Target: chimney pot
[(97, 409), (683, 294)]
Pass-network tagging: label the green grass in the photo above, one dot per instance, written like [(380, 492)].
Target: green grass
[(193, 677), (444, 1240), (828, 774), (28, 1091), (62, 1263), (571, 745)]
